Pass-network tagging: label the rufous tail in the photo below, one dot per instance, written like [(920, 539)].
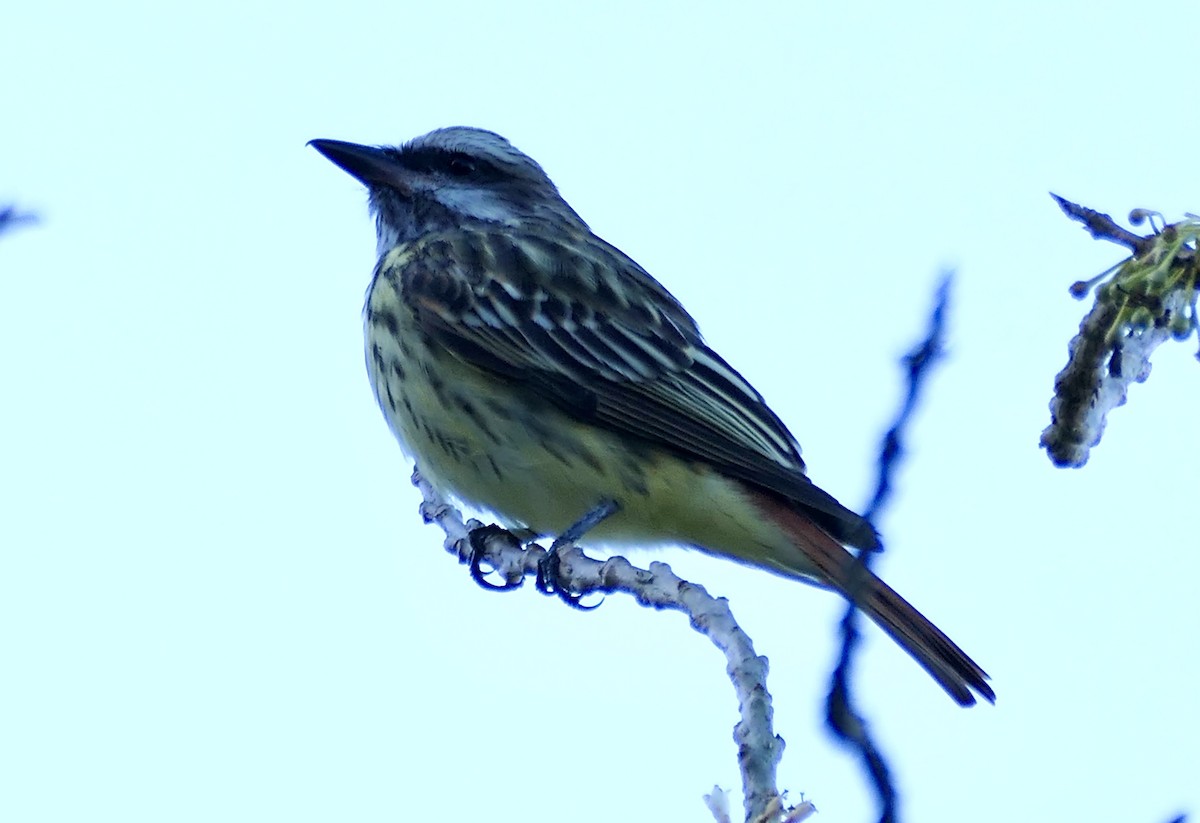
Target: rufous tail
[(949, 665)]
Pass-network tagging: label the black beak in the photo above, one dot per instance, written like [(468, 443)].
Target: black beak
[(370, 165)]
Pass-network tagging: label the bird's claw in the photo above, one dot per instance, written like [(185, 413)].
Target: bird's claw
[(477, 538), (549, 580)]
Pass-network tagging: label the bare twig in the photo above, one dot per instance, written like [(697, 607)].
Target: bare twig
[(759, 748), (10, 217), (1101, 226), (841, 717)]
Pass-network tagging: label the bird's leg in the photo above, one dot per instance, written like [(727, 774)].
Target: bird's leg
[(593, 518), (548, 577)]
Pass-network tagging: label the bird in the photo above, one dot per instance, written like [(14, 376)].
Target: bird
[(535, 371)]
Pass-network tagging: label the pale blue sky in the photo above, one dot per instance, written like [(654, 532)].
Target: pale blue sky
[(217, 601)]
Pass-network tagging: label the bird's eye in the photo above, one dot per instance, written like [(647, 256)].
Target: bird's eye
[(461, 166)]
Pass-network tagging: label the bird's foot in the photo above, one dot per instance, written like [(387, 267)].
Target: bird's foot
[(549, 574), (478, 539)]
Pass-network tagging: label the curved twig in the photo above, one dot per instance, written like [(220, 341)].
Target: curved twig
[(759, 748)]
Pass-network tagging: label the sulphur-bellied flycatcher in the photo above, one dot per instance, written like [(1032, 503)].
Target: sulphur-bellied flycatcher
[(534, 370)]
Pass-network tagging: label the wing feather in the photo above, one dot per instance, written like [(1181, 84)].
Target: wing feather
[(583, 325)]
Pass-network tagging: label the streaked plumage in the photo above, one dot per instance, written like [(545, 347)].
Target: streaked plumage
[(533, 369)]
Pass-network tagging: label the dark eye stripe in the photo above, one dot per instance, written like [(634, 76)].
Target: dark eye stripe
[(433, 160)]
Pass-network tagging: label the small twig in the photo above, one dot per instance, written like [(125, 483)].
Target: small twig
[(759, 748), (10, 217), (1100, 225), (841, 717)]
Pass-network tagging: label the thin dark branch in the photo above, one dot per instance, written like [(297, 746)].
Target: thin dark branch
[(10, 217), (919, 362), (841, 717), (1101, 225)]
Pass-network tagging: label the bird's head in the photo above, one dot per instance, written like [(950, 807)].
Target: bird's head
[(451, 177)]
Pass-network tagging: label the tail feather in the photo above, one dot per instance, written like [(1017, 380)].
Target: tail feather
[(949, 665)]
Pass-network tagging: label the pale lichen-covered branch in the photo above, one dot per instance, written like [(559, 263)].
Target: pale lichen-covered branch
[(759, 748), (1140, 303)]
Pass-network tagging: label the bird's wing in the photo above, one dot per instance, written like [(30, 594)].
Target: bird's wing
[(582, 325)]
